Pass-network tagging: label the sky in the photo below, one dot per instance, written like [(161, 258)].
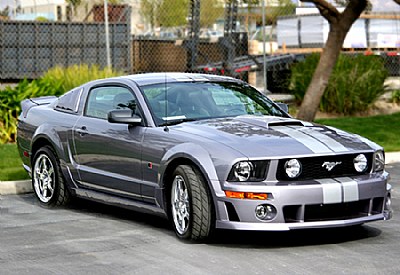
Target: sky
[(385, 6), (378, 5), (5, 3)]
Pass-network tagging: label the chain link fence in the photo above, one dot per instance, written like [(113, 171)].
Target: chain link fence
[(254, 40)]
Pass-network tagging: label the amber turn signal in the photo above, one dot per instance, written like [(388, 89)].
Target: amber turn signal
[(246, 195)]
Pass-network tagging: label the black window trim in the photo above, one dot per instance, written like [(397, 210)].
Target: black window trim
[(113, 84)]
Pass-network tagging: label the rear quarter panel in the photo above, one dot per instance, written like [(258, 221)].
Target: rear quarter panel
[(43, 123)]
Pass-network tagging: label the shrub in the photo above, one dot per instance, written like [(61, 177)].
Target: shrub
[(396, 96), (301, 75), (56, 82), (355, 84), (75, 75)]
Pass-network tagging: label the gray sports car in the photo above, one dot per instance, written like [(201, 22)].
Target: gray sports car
[(206, 151)]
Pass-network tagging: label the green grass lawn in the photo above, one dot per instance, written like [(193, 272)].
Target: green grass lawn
[(11, 164), (382, 129)]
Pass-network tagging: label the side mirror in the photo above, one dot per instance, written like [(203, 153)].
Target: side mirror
[(124, 117), (284, 107)]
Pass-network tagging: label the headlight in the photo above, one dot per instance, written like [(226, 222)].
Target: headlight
[(379, 161), (360, 163), (242, 170), (248, 171), (293, 168)]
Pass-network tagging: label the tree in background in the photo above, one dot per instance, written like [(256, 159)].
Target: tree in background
[(173, 13), (5, 13), (339, 25), (284, 7), (73, 4), (210, 11), (272, 12), (250, 5), (150, 9), (344, 3)]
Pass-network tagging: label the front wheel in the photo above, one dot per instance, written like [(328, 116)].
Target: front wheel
[(47, 180), (191, 204)]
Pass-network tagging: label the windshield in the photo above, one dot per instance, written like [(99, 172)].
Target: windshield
[(175, 102)]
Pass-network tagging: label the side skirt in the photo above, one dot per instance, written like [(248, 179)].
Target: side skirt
[(119, 201)]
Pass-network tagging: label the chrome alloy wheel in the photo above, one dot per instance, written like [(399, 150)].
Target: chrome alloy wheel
[(180, 204), (44, 178)]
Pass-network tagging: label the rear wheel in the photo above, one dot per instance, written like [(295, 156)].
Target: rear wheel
[(47, 180), (191, 204)]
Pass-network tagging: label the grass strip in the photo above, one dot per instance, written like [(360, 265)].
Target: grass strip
[(11, 164), (382, 129)]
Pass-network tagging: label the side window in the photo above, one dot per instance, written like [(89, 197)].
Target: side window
[(102, 100), (69, 101)]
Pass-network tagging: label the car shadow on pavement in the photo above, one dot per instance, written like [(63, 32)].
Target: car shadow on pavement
[(117, 213), (101, 210), (225, 238), (245, 239), (303, 237)]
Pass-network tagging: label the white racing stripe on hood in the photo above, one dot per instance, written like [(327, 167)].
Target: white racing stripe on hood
[(311, 143), (339, 190), (328, 141)]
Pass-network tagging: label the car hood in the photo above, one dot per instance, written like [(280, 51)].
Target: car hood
[(261, 136)]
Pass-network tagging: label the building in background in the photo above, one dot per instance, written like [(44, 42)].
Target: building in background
[(55, 10)]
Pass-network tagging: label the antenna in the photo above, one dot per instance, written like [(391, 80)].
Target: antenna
[(166, 103)]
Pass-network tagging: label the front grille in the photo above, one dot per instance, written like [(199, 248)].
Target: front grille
[(312, 168), (338, 211), (329, 212)]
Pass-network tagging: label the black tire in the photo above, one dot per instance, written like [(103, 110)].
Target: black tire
[(47, 180), (197, 208)]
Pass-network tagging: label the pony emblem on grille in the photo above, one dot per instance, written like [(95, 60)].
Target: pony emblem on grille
[(330, 165)]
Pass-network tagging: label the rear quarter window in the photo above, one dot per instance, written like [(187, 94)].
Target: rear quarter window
[(69, 102)]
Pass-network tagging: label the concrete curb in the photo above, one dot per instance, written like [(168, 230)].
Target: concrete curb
[(15, 187), (25, 186), (392, 157)]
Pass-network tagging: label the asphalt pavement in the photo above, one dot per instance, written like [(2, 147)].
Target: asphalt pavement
[(91, 238)]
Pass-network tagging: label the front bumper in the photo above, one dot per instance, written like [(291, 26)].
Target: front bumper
[(291, 226), (324, 203)]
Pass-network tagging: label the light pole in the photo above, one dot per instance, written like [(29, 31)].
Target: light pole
[(264, 56), (107, 34)]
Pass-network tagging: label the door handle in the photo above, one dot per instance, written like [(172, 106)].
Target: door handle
[(82, 131)]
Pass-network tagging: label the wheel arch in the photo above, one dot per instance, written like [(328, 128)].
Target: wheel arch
[(188, 154), (46, 135), (41, 141)]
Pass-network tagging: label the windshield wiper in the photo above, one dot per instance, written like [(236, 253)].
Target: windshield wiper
[(177, 121)]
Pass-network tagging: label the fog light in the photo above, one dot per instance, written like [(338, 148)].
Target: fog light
[(265, 212)]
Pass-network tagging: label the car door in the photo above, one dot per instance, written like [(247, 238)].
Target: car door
[(109, 154)]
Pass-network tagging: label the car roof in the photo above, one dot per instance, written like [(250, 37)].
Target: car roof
[(157, 78)]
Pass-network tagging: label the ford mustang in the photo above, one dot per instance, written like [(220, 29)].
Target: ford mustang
[(205, 151)]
